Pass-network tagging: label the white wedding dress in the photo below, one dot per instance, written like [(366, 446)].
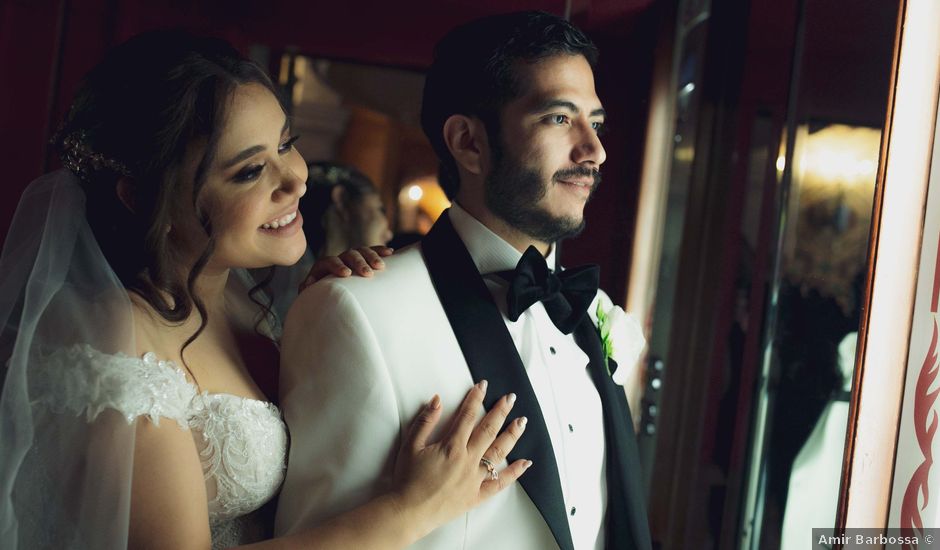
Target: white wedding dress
[(242, 442), (72, 393)]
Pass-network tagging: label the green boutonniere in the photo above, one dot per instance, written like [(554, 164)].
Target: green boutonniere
[(603, 329), (621, 337)]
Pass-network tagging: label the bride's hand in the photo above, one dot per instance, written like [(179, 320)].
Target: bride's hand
[(443, 480), (360, 260)]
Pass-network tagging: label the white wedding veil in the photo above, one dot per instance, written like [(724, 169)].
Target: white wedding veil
[(65, 464)]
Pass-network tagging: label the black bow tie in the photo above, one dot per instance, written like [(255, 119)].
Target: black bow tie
[(566, 295)]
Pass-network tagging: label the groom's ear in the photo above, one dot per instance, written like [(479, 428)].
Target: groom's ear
[(466, 140)]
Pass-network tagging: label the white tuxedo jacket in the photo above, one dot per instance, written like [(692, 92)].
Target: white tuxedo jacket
[(360, 357), (369, 355)]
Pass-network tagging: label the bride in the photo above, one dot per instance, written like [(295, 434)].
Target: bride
[(138, 354)]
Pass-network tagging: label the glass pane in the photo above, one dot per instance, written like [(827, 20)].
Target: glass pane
[(692, 35), (813, 313)]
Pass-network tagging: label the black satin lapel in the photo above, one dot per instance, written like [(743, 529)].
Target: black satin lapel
[(491, 355), (627, 524)]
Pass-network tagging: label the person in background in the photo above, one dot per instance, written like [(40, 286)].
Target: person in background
[(343, 212)]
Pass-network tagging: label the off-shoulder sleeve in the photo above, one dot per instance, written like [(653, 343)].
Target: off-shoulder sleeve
[(81, 380)]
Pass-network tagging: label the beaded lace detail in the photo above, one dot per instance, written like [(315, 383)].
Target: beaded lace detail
[(82, 380), (242, 442)]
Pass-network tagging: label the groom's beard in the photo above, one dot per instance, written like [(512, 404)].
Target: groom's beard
[(512, 192)]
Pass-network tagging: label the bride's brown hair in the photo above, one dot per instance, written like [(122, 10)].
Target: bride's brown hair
[(132, 122)]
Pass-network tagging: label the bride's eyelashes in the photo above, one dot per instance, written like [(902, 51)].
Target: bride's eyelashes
[(248, 173), (287, 145), (253, 171)]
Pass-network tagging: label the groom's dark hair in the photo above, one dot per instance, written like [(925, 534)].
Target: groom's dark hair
[(473, 73)]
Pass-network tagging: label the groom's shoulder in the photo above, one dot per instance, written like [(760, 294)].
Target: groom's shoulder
[(405, 275), (409, 257), (402, 270)]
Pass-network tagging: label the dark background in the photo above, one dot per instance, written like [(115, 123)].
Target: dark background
[(47, 45)]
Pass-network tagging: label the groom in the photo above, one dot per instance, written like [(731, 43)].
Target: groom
[(510, 108)]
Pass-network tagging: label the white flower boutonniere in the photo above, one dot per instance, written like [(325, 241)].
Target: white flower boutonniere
[(621, 337)]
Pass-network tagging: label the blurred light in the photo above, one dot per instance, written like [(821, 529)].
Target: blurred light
[(688, 88), (866, 167), (781, 163), (685, 154), (415, 193), (839, 155)]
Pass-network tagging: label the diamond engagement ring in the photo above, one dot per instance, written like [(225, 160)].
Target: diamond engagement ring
[(490, 467)]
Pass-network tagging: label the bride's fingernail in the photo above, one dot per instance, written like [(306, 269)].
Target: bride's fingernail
[(523, 421), (482, 385), (511, 398), (435, 403), (527, 464)]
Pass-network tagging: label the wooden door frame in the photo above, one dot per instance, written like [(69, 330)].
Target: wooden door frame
[(897, 227)]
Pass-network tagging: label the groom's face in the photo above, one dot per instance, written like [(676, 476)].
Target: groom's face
[(545, 163)]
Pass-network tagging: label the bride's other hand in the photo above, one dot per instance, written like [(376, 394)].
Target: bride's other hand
[(445, 479), (361, 261)]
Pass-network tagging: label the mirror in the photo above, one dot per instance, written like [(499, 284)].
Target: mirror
[(826, 166), (774, 144)]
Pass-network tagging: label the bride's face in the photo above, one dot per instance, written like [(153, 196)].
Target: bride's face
[(253, 187)]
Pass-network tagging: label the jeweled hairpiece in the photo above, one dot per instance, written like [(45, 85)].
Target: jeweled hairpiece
[(79, 157)]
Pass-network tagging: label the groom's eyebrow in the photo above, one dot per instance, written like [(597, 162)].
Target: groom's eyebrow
[(251, 151)]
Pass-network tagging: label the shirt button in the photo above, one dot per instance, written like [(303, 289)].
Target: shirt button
[(570, 428), (573, 510), (552, 350)]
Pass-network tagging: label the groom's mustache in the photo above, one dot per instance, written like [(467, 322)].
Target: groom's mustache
[(578, 172)]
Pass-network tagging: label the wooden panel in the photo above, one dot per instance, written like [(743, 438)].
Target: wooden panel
[(896, 235)]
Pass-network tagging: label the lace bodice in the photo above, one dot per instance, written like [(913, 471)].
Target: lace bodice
[(242, 442)]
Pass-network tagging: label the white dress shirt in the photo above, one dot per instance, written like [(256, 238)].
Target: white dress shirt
[(557, 370)]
